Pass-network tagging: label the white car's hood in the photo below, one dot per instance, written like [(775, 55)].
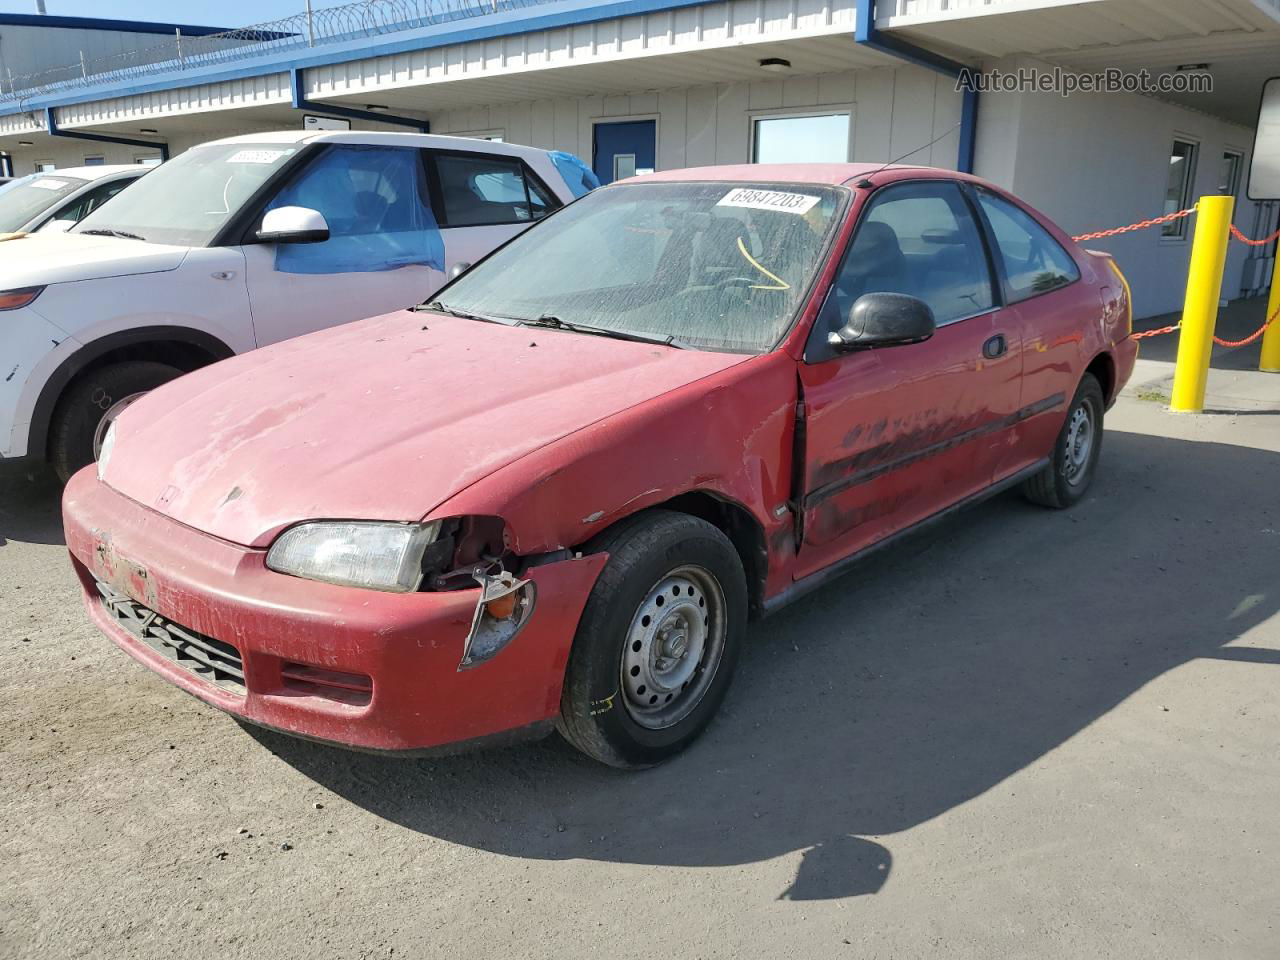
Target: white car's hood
[(38, 260)]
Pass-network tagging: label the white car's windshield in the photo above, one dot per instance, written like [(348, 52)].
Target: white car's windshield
[(23, 200), (188, 200), (720, 266)]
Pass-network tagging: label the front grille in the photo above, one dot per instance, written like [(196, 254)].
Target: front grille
[(211, 660)]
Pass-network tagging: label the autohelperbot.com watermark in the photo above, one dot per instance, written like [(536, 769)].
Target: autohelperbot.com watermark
[(1066, 82)]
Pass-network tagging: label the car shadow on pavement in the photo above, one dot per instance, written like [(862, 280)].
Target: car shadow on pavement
[(912, 685), (30, 503)]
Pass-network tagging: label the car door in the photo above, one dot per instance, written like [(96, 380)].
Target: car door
[(482, 200), (896, 434), (384, 251), (1041, 283)]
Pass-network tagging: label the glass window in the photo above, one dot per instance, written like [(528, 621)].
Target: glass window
[(1034, 262), (152, 161), (1229, 173), (480, 189), (1177, 196), (86, 203), (374, 200), (45, 166), (721, 266), (821, 139), (95, 161), (23, 200), (188, 200), (918, 239)]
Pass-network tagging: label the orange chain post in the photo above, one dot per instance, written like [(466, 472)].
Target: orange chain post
[(1200, 309)]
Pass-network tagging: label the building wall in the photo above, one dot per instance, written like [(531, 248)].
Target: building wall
[(893, 110), (1094, 161)]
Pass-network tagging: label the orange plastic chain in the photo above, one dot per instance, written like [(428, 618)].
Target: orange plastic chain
[(1154, 333), (1239, 235), (1252, 337), (1218, 340), (1140, 225)]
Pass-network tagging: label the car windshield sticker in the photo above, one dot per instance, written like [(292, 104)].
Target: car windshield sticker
[(258, 156), (797, 203), (47, 184)]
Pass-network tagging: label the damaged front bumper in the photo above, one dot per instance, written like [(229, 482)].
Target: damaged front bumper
[(359, 668)]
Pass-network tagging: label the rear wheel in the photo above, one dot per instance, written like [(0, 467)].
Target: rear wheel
[(1066, 479), (657, 643), (91, 405)]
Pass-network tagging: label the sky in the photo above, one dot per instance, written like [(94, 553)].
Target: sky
[(218, 13)]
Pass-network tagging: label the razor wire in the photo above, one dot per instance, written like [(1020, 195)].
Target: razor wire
[(294, 34)]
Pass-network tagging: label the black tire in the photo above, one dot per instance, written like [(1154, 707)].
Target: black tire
[(87, 401), (597, 714), (1064, 482)]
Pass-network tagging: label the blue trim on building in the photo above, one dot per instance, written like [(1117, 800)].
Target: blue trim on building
[(51, 122), (93, 23), (567, 14), (867, 34), (300, 102)]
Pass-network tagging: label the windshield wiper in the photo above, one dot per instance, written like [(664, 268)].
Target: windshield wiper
[(555, 323), (441, 307), (107, 232)]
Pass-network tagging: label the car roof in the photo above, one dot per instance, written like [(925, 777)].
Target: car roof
[(98, 172), (829, 173), (379, 138)]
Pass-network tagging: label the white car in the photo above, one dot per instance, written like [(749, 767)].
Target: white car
[(57, 201), (239, 243)]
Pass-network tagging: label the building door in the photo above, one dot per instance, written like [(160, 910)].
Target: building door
[(624, 148)]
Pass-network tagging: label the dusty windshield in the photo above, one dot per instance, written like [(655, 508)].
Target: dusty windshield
[(720, 266), (23, 200), (189, 199)]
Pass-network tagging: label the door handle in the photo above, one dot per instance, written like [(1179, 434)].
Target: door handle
[(995, 347)]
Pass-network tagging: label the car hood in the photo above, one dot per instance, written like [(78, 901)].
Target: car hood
[(35, 260), (383, 419)]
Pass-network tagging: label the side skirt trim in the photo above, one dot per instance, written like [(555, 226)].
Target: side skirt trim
[(812, 582)]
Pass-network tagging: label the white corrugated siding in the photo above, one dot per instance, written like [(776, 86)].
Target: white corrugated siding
[(894, 111), (687, 30), (247, 92)]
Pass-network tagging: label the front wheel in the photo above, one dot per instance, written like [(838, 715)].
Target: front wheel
[(1066, 479), (91, 405), (658, 641)]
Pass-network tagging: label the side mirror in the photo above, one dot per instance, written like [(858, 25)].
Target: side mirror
[(57, 226), (458, 269), (884, 320), (293, 225)]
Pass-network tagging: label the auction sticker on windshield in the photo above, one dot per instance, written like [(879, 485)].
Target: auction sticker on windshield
[(49, 184), (258, 156), (798, 203)]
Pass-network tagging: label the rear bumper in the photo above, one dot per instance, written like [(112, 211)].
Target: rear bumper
[(1125, 355), (393, 657)]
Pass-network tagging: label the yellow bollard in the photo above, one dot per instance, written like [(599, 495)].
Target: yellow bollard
[(1200, 309), (1270, 362)]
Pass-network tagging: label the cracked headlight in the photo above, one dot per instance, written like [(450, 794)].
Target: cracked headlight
[(379, 556)]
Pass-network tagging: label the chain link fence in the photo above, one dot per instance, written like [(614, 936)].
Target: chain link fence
[(312, 28)]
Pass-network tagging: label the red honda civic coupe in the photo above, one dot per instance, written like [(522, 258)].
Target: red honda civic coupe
[(556, 494)]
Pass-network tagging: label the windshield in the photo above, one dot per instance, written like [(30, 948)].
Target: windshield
[(23, 200), (188, 200), (719, 266)]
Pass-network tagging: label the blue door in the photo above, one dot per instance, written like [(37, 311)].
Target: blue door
[(623, 148)]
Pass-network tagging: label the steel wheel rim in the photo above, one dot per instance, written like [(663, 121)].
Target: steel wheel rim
[(673, 647), (1079, 444), (108, 418)]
